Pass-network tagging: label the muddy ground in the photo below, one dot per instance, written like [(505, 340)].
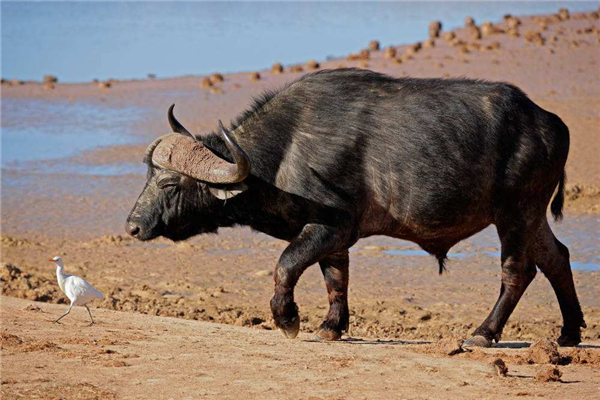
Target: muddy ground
[(395, 293), (129, 355)]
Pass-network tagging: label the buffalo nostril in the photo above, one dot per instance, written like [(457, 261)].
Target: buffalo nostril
[(132, 229)]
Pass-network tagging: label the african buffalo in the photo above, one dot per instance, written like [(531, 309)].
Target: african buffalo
[(340, 155)]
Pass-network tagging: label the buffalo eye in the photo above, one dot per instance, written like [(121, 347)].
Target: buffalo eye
[(167, 182)]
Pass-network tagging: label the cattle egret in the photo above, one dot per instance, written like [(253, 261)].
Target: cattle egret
[(78, 290)]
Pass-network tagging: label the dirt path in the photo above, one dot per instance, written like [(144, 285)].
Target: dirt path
[(129, 355)]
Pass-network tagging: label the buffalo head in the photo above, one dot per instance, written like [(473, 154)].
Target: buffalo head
[(186, 185)]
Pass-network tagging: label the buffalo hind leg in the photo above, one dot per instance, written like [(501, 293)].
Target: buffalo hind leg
[(518, 270), (335, 272), (552, 258), (315, 242)]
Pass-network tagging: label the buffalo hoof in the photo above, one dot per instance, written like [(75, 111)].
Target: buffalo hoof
[(292, 331), (326, 335), (568, 340), (477, 341)]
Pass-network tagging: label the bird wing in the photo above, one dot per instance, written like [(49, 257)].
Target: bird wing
[(81, 291)]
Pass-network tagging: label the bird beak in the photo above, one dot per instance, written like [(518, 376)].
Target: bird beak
[(51, 260)]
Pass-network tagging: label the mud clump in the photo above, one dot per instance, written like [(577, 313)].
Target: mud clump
[(552, 374), (277, 69), (390, 52), (50, 79), (543, 351), (429, 44), (312, 64), (8, 341), (254, 77), (364, 54), (20, 284), (216, 78), (499, 367), (10, 241), (111, 240), (435, 28), (448, 347), (581, 356), (534, 37), (374, 45), (564, 14)]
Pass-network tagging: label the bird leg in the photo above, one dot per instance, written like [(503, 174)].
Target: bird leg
[(65, 314), (89, 312)]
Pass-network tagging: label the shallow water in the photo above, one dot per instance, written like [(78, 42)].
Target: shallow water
[(579, 234), (80, 41), (61, 129)]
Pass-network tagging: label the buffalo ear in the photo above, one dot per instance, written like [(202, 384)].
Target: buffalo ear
[(226, 192)]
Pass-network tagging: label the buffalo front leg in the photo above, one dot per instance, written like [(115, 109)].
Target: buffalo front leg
[(335, 272), (315, 242)]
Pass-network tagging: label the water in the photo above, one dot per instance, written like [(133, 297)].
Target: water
[(579, 234), (80, 41), (61, 129)]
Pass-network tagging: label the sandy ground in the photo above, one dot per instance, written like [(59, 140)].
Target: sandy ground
[(227, 278), (129, 355)]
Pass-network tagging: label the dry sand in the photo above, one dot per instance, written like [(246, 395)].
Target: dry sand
[(226, 278)]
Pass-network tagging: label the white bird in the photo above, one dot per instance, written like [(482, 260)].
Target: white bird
[(78, 290)]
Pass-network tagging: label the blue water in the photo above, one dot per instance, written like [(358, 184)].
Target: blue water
[(579, 234), (62, 129), (80, 41)]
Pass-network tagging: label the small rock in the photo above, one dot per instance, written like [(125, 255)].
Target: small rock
[(448, 36), (435, 28), (50, 79), (206, 83), (374, 45), (216, 78), (543, 351), (390, 52), (564, 14), (277, 69), (264, 272), (312, 64), (551, 374), (499, 367), (254, 77), (104, 85), (429, 43), (448, 346)]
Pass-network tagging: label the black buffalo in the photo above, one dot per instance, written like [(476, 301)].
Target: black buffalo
[(340, 155)]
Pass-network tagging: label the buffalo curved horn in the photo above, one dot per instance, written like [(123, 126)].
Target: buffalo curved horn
[(242, 162), (175, 125), (184, 154)]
